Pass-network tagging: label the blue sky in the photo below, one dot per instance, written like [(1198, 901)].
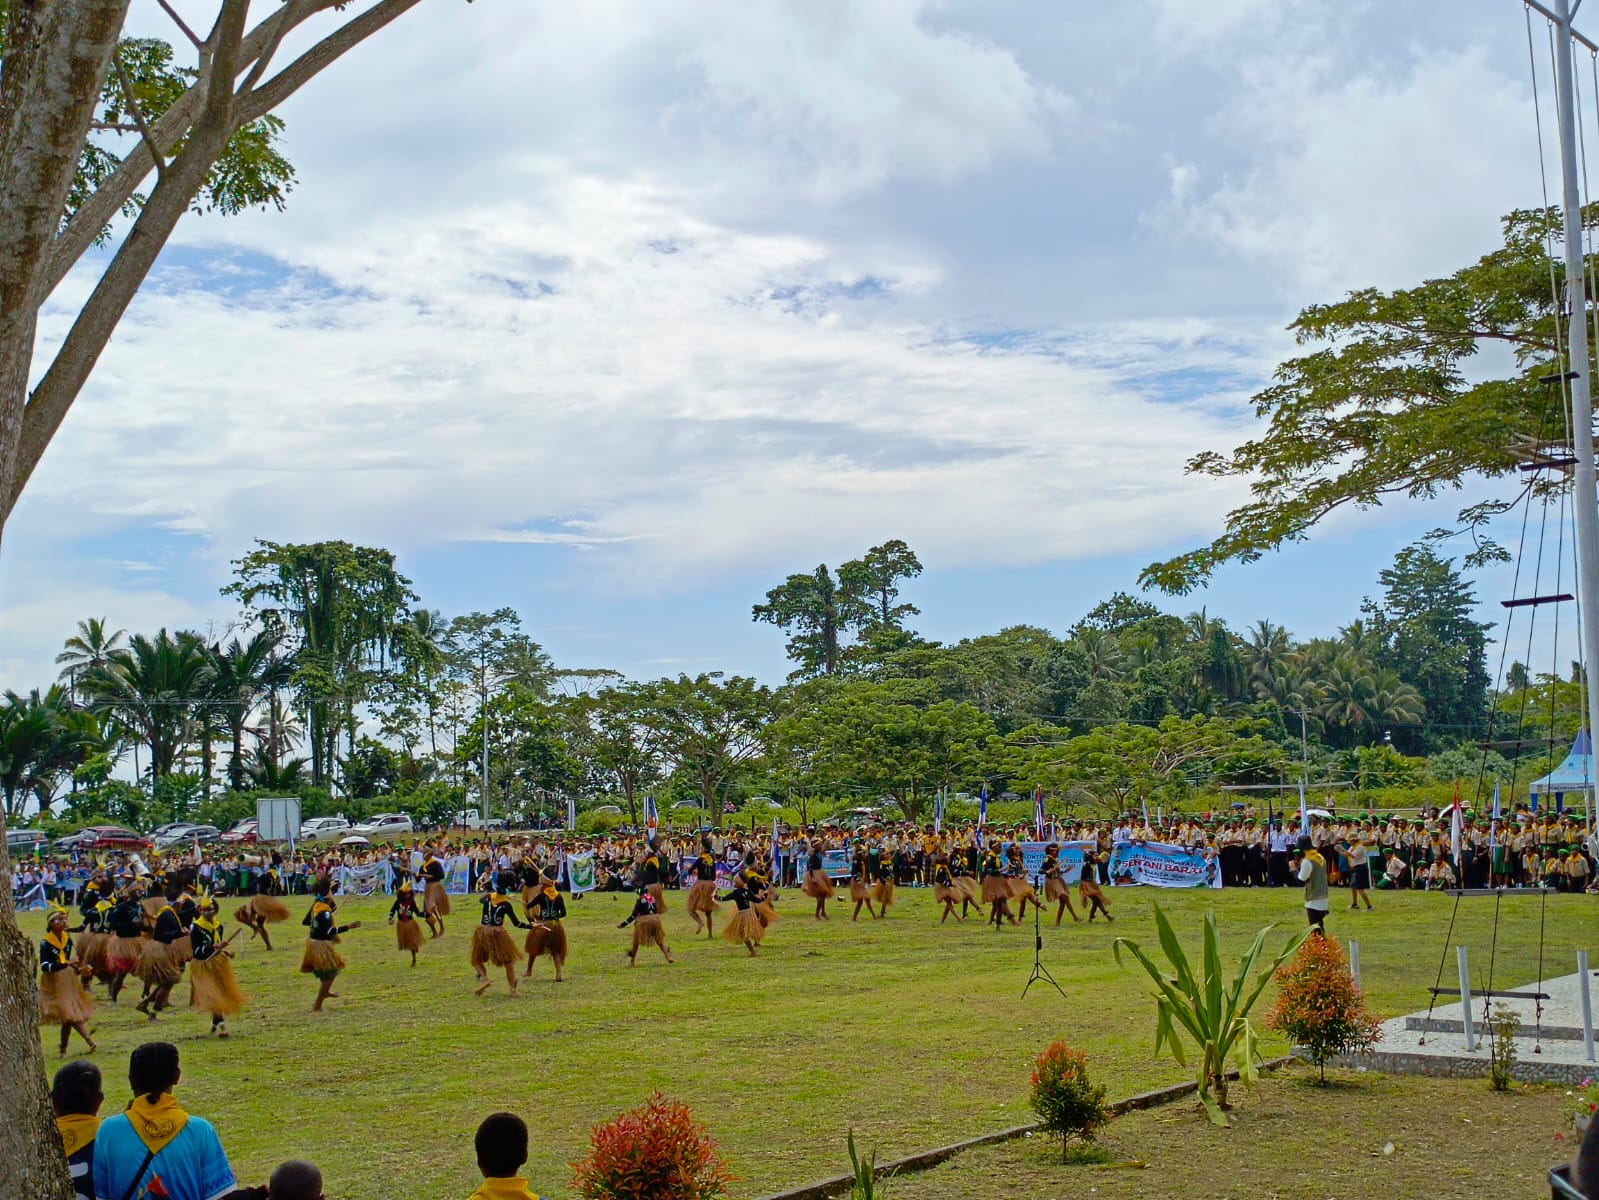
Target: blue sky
[(618, 313)]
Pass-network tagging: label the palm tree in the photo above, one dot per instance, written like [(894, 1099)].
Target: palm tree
[(89, 649), (241, 676), (41, 739), (1267, 647), (1101, 655), (420, 646), (154, 687)]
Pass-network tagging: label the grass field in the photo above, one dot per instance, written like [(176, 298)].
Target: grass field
[(913, 1034)]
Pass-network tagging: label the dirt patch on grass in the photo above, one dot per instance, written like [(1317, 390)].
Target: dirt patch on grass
[(1291, 1140)]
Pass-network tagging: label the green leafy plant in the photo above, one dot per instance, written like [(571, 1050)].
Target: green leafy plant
[(1320, 1008), (865, 1185), (1205, 1006), (1503, 1026), (1066, 1100)]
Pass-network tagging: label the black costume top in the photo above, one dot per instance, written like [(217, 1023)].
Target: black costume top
[(127, 918), (885, 865), (54, 955), (651, 872), (705, 867), (813, 861), (405, 907), (643, 906), (992, 865), (546, 907), (96, 915), (941, 875), (1051, 866), (497, 909), (742, 895), (168, 927), (320, 919), (205, 939), (432, 870)]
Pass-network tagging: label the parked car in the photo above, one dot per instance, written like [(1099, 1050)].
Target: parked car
[(186, 835), (324, 829), (386, 825), (608, 808), (244, 833), (24, 841), (103, 837)]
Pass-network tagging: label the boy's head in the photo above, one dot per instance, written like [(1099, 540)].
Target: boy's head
[(76, 1089), (153, 1069), (295, 1180), (501, 1145)]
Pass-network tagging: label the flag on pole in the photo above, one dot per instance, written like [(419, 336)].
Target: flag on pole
[(1456, 831), (571, 813), (777, 864), (652, 816), (982, 812), (1144, 806), (1160, 815), (1304, 817), (1493, 826), (1038, 813), (938, 811)]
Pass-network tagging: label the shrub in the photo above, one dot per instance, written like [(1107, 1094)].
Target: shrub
[(1066, 1100), (1210, 1008), (657, 1151), (1503, 1026), (1320, 1008)]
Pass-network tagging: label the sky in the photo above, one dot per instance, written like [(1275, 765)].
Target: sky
[(618, 313)]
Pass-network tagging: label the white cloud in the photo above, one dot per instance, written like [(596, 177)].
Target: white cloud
[(1353, 180)]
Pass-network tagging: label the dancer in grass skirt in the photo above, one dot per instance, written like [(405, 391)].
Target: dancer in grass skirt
[(702, 895), (647, 928), (1088, 891), (1021, 888), (652, 874), (490, 942), (126, 943), (263, 908), (91, 947), (161, 962), (320, 957), (859, 868), (883, 873), (759, 885), (817, 885), (404, 915), (1055, 886), (62, 1000), (944, 890), (745, 926), (212, 986), (436, 901), (545, 933), (996, 888), (965, 882)]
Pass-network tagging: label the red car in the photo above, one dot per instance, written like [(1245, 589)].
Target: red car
[(112, 837), (243, 833)]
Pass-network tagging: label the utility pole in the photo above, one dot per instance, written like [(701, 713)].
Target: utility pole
[(1586, 498)]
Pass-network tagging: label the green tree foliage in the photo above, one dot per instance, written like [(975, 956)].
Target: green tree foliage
[(708, 728), (823, 615), (42, 738), (152, 688), (1392, 401)]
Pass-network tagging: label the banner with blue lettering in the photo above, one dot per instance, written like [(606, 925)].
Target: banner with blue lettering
[(1072, 857), (1159, 865)]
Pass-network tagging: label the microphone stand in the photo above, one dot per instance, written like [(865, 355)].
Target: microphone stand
[(1039, 970)]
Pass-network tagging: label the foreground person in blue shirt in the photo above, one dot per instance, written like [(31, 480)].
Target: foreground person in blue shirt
[(154, 1148)]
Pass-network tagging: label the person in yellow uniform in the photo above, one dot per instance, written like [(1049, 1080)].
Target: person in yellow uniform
[(501, 1145)]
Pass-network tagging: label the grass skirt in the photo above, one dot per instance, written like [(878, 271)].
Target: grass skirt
[(408, 935), (857, 890), (321, 959), (261, 910), (1020, 889), (122, 954), (547, 939), (658, 890), (491, 944), (212, 986), (702, 896), (159, 964), (883, 892), (183, 950), (995, 887), (648, 931), (436, 899), (153, 905), (766, 912), (62, 999), (818, 886), (1056, 889), (967, 887), (744, 927), (946, 895), (91, 951)]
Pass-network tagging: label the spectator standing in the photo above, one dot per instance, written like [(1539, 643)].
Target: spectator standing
[(76, 1096), (1313, 874), (154, 1148), (501, 1145)]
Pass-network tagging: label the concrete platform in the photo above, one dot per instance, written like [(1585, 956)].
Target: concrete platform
[(1549, 1047)]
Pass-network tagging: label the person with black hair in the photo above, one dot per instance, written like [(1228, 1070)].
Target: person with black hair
[(75, 1098), (501, 1145), (320, 958), (702, 896), (405, 910), (545, 933), (436, 901), (490, 942), (160, 963), (652, 874), (295, 1180), (647, 928), (745, 926), (213, 987), (154, 1148), (817, 885), (62, 1000)]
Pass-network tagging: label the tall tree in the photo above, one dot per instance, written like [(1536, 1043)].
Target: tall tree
[(153, 688), (1390, 401), (340, 604), (242, 674), (709, 727), (875, 578), (91, 647), (819, 613), (40, 743)]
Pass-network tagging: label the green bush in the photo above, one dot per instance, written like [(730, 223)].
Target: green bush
[(1066, 1100)]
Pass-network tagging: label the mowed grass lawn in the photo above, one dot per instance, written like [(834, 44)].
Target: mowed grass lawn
[(911, 1033)]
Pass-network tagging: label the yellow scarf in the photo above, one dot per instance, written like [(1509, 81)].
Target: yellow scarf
[(77, 1131), (1315, 857), (550, 891), (158, 1123), (510, 1188), (58, 940), (209, 924), (496, 899), (321, 906)]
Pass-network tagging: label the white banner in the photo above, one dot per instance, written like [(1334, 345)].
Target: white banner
[(365, 881), (580, 872)]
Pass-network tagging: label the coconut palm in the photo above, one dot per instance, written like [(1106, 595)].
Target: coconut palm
[(1266, 648), (153, 688), (241, 675), (1101, 655), (90, 648), (41, 740)]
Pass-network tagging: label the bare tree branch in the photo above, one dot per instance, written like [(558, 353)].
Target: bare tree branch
[(178, 21), (139, 122), (286, 18)]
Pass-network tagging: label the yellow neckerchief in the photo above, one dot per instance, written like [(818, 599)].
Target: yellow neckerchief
[(1315, 856), (156, 1124), (77, 1131), (209, 924), (427, 861), (550, 891), (58, 940), (511, 1188), (103, 906), (497, 899), (321, 906)]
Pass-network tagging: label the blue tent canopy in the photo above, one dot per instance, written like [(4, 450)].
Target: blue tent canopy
[(1574, 774)]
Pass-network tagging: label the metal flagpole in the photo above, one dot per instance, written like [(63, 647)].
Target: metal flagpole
[(1586, 500)]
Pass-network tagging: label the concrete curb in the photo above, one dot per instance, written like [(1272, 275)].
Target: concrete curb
[(822, 1189)]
